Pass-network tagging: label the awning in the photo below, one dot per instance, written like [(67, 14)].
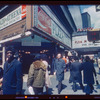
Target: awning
[(15, 37)]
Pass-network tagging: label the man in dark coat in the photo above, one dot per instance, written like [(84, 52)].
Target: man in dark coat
[(12, 75), (76, 73), (88, 71), (59, 69)]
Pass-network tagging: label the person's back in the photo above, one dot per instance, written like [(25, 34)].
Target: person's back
[(88, 69), (36, 76), (76, 73), (76, 68)]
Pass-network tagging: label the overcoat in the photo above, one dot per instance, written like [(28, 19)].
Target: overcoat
[(12, 78), (59, 68), (88, 71), (76, 71)]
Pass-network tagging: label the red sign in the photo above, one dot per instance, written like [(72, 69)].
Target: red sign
[(23, 11), (85, 29), (44, 21)]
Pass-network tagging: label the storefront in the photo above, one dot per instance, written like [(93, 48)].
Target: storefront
[(32, 30)]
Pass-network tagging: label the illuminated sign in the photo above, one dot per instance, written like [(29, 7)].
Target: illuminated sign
[(93, 35)]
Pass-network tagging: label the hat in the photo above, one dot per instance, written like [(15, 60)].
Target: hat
[(37, 57), (10, 48), (44, 56)]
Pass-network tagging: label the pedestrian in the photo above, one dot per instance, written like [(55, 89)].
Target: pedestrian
[(99, 64), (76, 73), (36, 75), (47, 78), (59, 70), (53, 64), (12, 74), (88, 75), (1, 79), (69, 64)]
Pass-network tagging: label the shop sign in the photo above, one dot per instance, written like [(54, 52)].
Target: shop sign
[(13, 17), (58, 34), (44, 21), (82, 42)]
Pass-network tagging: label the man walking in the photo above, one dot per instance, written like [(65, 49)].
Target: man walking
[(88, 71), (59, 69), (36, 76), (76, 73)]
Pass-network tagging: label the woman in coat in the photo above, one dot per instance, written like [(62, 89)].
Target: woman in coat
[(88, 71), (59, 69)]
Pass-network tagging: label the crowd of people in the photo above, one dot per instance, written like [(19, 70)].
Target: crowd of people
[(38, 75)]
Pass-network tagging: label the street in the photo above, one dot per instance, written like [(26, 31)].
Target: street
[(67, 87)]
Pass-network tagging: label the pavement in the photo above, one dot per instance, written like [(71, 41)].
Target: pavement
[(67, 87)]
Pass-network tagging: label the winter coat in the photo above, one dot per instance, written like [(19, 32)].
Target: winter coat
[(36, 75), (12, 78), (76, 72), (59, 68), (88, 71)]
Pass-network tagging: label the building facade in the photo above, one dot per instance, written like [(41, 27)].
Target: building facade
[(33, 29)]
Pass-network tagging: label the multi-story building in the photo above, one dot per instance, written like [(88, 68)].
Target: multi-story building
[(86, 19)]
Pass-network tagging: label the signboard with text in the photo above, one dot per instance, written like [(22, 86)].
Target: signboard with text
[(82, 42), (13, 17), (44, 22)]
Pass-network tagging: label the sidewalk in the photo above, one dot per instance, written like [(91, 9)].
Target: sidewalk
[(67, 87)]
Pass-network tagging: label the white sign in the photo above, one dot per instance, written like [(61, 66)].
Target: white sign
[(13, 17), (82, 42)]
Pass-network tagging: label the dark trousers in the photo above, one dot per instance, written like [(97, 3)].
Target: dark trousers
[(75, 87), (38, 91), (89, 89), (59, 86)]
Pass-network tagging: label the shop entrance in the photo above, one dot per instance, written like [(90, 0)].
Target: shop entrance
[(28, 47)]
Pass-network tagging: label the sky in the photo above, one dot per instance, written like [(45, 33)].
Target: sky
[(95, 16)]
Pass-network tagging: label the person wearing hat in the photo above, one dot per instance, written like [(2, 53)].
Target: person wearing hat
[(12, 74), (36, 76)]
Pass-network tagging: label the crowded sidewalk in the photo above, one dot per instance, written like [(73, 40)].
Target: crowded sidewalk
[(67, 87)]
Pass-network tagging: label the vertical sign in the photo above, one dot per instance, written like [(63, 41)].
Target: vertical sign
[(44, 21), (23, 11)]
